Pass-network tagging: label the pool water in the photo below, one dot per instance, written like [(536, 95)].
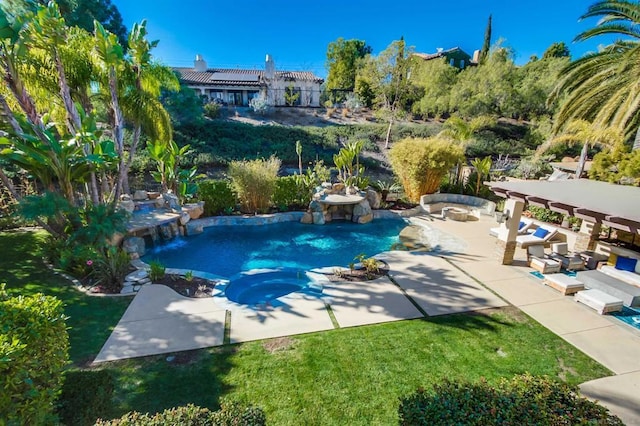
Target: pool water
[(266, 285), (628, 315), (228, 250)]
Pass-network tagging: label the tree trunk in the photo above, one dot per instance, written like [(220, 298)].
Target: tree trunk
[(636, 141), (134, 148), (386, 141), (73, 119), (118, 129), (583, 160)]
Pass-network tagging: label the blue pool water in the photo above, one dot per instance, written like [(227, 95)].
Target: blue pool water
[(629, 315), (228, 250), (251, 289)]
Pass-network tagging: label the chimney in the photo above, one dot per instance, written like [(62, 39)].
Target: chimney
[(269, 67), (439, 49), (476, 56), (199, 65)]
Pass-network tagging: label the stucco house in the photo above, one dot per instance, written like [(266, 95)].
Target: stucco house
[(455, 57), (239, 86)]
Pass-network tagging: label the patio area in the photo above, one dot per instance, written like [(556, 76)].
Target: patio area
[(438, 283)]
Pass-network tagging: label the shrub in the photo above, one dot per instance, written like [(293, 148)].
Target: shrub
[(33, 352), (254, 181), (110, 268), (420, 164), (259, 105), (212, 110), (156, 270), (232, 414), (218, 197), (86, 396), (545, 215), (290, 193), (524, 400)]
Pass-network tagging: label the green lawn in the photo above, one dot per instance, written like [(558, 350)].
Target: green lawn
[(346, 376)]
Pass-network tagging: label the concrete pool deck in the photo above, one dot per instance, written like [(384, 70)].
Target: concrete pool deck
[(158, 322)]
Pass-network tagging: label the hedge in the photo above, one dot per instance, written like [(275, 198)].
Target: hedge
[(218, 197), (33, 352), (524, 400), (86, 396), (231, 414)]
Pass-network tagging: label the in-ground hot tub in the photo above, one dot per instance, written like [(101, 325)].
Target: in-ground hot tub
[(264, 285)]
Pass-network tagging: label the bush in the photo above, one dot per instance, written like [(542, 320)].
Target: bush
[(212, 110), (525, 400), (218, 197), (259, 105), (229, 415), (545, 215), (420, 164), (254, 181), (86, 396), (110, 269), (290, 193), (33, 352)]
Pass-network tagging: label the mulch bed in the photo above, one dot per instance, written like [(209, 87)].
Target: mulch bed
[(360, 274), (196, 287)]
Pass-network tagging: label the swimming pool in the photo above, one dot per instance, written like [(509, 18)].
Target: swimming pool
[(261, 286), (229, 250)]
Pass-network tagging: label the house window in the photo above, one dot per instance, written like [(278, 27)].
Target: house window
[(461, 64), (452, 62)]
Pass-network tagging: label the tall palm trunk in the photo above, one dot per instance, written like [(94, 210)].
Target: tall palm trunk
[(118, 130), (636, 141), (386, 141), (583, 160), (134, 147)]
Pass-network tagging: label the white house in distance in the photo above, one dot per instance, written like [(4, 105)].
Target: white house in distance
[(239, 86)]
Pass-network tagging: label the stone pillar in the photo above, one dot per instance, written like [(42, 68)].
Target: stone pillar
[(587, 237), (506, 242)]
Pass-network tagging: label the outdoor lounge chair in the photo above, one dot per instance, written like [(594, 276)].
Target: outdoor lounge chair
[(542, 236), (539, 261), (570, 261), (525, 226)]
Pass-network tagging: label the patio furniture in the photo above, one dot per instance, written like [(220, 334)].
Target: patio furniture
[(592, 258), (594, 279), (525, 226), (563, 283), (570, 261), (540, 262), (599, 300), (542, 236)]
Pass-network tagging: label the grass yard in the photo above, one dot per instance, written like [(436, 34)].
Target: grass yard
[(346, 376)]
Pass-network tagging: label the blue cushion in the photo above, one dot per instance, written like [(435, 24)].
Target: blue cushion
[(540, 233), (521, 225), (626, 264)]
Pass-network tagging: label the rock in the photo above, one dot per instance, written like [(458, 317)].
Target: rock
[(362, 208), (115, 239), (195, 210), (318, 218), (125, 197), (194, 228), (315, 206), (128, 206), (185, 217), (140, 195), (365, 218), (328, 217), (351, 190), (374, 199), (153, 195), (159, 203), (338, 188), (307, 218), (134, 245), (172, 201), (127, 290), (136, 276)]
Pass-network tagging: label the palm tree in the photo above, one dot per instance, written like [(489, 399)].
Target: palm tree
[(590, 135), (603, 88)]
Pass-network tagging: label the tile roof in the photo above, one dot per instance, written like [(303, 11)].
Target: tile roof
[(190, 76)]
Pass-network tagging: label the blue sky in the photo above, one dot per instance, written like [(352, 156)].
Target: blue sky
[(234, 33)]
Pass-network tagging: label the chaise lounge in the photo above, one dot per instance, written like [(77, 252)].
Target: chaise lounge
[(525, 226), (542, 236)]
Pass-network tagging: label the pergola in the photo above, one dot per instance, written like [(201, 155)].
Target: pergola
[(597, 203), (616, 206)]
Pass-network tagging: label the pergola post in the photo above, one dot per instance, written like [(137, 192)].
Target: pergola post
[(587, 237), (506, 241)]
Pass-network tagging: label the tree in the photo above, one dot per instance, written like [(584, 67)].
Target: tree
[(483, 167), (342, 62), (80, 13), (602, 87), (486, 45), (436, 78), (557, 50), (588, 134)]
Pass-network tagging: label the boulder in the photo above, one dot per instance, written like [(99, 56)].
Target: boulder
[(140, 195), (351, 190), (195, 210), (134, 245), (153, 195), (172, 201), (307, 218), (194, 228), (315, 206), (362, 208), (184, 218), (338, 188), (365, 219), (318, 218), (136, 276), (374, 199), (128, 206)]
